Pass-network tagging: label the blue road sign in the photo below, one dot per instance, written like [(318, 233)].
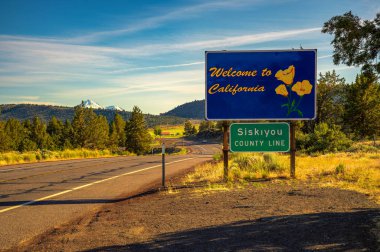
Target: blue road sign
[(261, 85)]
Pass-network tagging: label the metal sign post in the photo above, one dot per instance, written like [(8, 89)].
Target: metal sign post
[(225, 151), (292, 150), (163, 165)]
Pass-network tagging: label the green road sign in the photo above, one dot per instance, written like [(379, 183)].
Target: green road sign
[(259, 137)]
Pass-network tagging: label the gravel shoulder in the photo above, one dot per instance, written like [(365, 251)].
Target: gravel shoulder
[(280, 215)]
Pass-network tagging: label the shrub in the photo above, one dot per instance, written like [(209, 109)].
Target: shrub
[(327, 139), (247, 162), (339, 169), (217, 156), (272, 164)]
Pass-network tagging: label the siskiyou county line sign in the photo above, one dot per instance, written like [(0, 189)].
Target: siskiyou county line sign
[(259, 137), (261, 85)]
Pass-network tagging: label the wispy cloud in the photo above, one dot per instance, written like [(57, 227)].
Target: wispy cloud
[(325, 56), (41, 61), (157, 67), (177, 82), (182, 12), (106, 56), (38, 103)]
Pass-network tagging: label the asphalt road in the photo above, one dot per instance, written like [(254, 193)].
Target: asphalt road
[(37, 197)]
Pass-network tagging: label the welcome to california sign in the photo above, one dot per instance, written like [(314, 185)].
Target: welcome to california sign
[(261, 85)]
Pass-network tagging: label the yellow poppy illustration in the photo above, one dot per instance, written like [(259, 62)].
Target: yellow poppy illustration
[(286, 75), (302, 88), (281, 90)]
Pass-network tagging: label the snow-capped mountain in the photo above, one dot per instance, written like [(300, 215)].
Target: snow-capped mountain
[(113, 107), (91, 104)]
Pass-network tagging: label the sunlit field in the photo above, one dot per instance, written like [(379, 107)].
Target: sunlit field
[(170, 131), (37, 156), (358, 171)]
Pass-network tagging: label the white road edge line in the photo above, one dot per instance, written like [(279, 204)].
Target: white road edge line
[(86, 185)]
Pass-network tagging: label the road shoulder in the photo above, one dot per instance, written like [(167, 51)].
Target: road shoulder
[(271, 215)]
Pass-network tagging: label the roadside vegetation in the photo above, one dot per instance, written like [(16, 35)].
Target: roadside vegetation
[(14, 157), (358, 170), (87, 135), (167, 131)]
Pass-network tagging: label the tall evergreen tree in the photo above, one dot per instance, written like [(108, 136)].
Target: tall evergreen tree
[(83, 121), (138, 139), (206, 126), (330, 101), (27, 143), (362, 107), (55, 130), (67, 135), (39, 134), (188, 128), (157, 131), (15, 132), (98, 131), (119, 129), (5, 140)]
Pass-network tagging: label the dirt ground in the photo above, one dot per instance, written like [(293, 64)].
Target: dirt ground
[(277, 215)]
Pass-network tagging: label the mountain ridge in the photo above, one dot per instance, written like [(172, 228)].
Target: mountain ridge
[(24, 112), (189, 110)]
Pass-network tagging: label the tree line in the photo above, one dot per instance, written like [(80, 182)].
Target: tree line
[(85, 130)]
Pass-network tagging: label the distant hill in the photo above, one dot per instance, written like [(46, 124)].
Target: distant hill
[(45, 112), (193, 110)]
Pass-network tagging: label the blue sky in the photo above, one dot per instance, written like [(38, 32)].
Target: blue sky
[(147, 53)]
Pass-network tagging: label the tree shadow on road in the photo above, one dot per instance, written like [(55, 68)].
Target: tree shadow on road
[(75, 201), (321, 231)]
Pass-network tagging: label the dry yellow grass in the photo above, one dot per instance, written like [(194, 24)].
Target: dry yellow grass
[(38, 156), (175, 131), (352, 171)]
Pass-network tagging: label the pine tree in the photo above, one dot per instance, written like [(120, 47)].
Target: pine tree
[(120, 129), (138, 139), (15, 131), (39, 134), (330, 101), (98, 131), (27, 143), (206, 126), (362, 107), (83, 121), (67, 135), (157, 131), (5, 140), (188, 128), (55, 130)]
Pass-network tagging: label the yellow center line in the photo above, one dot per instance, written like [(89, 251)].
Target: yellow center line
[(86, 185)]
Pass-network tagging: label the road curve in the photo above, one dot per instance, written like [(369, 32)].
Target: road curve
[(37, 197)]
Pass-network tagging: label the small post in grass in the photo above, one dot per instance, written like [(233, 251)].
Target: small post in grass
[(163, 165), (292, 150), (225, 150)]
